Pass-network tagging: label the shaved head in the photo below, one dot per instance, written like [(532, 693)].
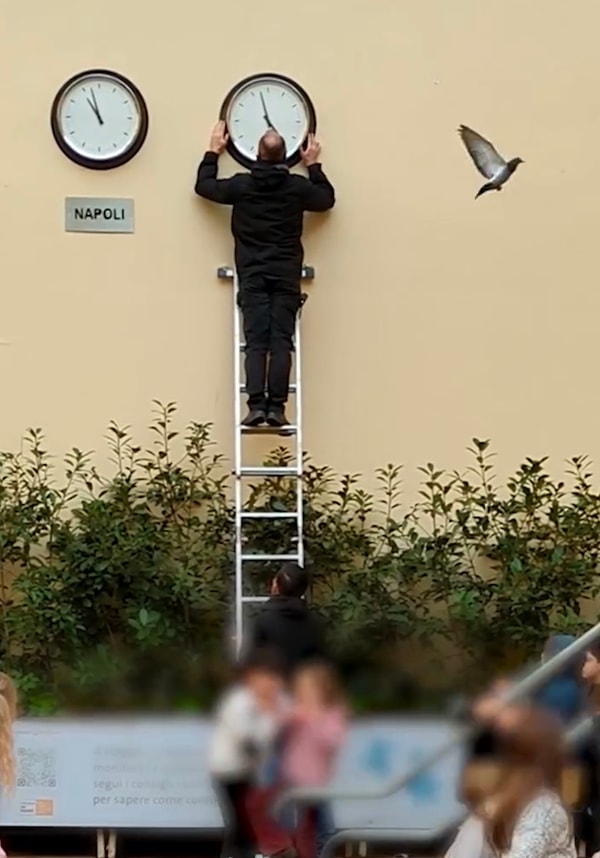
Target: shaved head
[(271, 147)]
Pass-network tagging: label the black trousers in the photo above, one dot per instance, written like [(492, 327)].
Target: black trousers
[(587, 827), (239, 840), (269, 308)]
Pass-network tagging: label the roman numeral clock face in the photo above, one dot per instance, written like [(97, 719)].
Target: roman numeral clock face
[(263, 102), (99, 119)]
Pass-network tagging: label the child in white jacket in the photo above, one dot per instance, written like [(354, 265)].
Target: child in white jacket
[(247, 720)]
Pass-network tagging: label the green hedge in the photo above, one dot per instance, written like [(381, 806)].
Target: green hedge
[(117, 588)]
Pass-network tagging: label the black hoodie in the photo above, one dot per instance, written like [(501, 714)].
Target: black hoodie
[(267, 218), (286, 625)]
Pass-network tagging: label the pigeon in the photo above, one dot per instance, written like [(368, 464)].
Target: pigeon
[(487, 160)]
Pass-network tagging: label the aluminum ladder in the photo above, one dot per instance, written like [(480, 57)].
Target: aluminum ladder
[(242, 470)]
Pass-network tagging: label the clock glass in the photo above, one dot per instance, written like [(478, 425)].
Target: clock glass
[(263, 102), (99, 119)]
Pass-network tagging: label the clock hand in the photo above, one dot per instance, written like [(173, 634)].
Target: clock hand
[(94, 111), (91, 104), (100, 120), (266, 114)]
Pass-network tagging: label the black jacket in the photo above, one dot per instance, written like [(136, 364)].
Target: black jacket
[(286, 626), (267, 218)]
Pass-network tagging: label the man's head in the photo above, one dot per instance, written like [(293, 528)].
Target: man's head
[(290, 581), (271, 147)]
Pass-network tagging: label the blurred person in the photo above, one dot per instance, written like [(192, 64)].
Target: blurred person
[(286, 624), (590, 829), (312, 732), (247, 719), (521, 809), (561, 697), (563, 694), (315, 729), (590, 673), (8, 713), (494, 718)]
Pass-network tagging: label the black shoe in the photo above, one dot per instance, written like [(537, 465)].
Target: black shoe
[(276, 417), (255, 417)]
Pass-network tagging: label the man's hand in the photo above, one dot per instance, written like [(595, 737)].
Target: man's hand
[(218, 138), (311, 151)]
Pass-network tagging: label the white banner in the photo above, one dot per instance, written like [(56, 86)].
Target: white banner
[(153, 774)]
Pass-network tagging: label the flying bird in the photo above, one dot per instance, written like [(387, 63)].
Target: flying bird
[(487, 160)]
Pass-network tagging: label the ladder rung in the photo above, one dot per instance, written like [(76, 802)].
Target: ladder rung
[(259, 515), (250, 599), (225, 272), (292, 388), (243, 348), (288, 429), (266, 471), (267, 558)]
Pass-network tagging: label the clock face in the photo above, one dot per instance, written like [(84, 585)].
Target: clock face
[(266, 101), (99, 119)]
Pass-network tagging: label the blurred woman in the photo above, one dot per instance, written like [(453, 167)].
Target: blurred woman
[(520, 806), (481, 769)]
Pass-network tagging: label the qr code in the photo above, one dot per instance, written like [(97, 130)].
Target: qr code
[(36, 767)]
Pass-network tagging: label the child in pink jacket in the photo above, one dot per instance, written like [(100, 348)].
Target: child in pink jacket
[(315, 730)]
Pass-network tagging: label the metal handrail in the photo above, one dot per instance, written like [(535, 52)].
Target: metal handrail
[(424, 835), (530, 683)]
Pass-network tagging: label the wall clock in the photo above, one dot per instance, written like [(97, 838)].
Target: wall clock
[(264, 101), (99, 119)]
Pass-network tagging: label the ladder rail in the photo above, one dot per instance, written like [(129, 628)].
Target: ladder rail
[(241, 471), (238, 488), (299, 442)]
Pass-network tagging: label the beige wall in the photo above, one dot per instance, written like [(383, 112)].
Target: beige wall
[(434, 318)]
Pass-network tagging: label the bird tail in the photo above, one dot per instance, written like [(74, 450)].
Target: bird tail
[(484, 189)]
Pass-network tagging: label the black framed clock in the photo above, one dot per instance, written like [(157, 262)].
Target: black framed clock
[(263, 101), (99, 119)]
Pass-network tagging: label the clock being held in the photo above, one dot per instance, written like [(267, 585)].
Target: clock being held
[(99, 119), (262, 102)]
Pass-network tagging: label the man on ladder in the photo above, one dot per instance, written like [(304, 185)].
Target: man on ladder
[(267, 220)]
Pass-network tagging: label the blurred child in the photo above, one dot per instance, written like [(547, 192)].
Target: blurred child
[(315, 730), (8, 713), (248, 718)]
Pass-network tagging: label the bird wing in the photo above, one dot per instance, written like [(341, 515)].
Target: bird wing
[(484, 156)]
